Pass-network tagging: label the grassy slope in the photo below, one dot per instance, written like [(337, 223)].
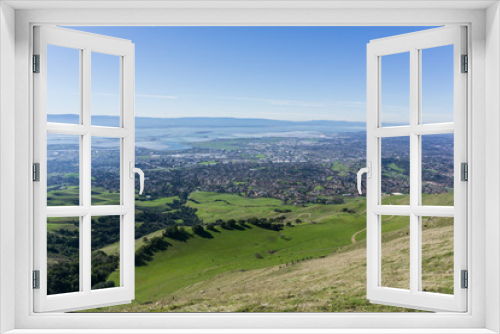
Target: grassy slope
[(335, 283), (174, 279), (199, 259)]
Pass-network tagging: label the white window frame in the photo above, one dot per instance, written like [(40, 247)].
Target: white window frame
[(484, 144), (86, 44), (414, 43)]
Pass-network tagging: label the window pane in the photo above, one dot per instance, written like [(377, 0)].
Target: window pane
[(437, 254), (395, 247), (437, 84), (437, 169), (63, 170), (395, 171), (105, 171), (63, 254), (105, 252), (105, 89), (395, 89), (63, 85)]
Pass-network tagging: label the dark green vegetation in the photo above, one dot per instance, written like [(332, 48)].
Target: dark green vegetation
[(63, 253)]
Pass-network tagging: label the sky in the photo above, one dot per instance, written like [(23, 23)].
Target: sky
[(286, 73)]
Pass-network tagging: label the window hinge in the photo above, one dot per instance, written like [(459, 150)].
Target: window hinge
[(465, 64), (36, 279), (36, 172), (464, 171), (465, 279), (36, 63)]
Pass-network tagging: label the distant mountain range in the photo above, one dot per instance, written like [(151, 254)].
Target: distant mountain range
[(207, 122)]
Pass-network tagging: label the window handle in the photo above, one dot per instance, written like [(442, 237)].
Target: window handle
[(134, 170), (368, 171)]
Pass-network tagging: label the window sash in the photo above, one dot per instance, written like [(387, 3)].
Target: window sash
[(86, 297), (413, 43)]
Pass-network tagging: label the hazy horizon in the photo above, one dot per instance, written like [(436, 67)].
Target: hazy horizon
[(212, 117)]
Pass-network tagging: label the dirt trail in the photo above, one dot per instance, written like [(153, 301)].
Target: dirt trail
[(353, 238)]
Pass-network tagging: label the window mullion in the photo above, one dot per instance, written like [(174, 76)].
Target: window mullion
[(414, 171), (86, 179), (81, 180)]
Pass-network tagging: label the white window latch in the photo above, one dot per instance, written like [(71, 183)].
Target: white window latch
[(134, 170), (368, 171)]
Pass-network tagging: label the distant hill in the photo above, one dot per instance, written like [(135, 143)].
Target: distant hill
[(145, 122)]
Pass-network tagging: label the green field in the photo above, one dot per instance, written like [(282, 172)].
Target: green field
[(58, 223), (100, 196), (340, 168), (213, 206), (70, 195), (395, 167), (160, 204)]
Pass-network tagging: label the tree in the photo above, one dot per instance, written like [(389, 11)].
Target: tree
[(198, 229), (231, 223)]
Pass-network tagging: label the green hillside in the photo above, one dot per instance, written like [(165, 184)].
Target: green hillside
[(199, 259), (210, 273)]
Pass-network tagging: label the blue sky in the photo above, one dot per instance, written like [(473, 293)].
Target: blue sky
[(290, 73)]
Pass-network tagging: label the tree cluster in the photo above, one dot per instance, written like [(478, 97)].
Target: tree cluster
[(154, 221), (145, 253), (105, 231), (64, 277), (64, 242), (102, 266)]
